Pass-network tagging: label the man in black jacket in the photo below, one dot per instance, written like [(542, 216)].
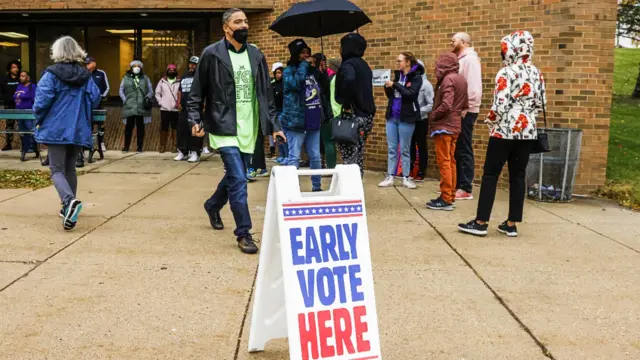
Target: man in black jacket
[(230, 116), (102, 81), (9, 85), (354, 90)]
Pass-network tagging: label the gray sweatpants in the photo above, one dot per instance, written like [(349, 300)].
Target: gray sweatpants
[(62, 162)]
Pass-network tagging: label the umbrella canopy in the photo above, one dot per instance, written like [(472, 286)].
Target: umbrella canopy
[(318, 18)]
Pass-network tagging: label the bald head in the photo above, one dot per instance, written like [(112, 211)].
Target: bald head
[(460, 41)]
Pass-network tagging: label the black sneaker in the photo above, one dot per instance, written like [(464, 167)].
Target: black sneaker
[(511, 231), (247, 245), (80, 163), (214, 218), (71, 214), (473, 228), (439, 204)]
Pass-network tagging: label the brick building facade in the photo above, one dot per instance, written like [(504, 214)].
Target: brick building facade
[(574, 49)]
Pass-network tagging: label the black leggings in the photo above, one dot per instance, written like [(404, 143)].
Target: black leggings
[(187, 142), (169, 118), (138, 123), (499, 151), (419, 138)]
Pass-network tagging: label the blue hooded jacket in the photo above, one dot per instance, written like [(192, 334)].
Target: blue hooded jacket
[(293, 110), (65, 97)]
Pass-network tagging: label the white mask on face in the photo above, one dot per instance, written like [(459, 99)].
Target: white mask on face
[(136, 70)]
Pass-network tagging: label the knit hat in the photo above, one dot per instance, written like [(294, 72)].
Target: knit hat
[(296, 47), (171, 67), (194, 60), (276, 66), (136, 62)]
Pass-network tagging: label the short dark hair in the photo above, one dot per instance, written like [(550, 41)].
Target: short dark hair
[(227, 14)]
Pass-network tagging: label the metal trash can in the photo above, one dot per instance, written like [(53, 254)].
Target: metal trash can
[(551, 176)]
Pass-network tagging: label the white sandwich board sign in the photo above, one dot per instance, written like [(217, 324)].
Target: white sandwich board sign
[(315, 283)]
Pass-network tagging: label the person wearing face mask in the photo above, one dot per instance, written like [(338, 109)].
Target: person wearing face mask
[(24, 98), (189, 146), (136, 93), (167, 92), (233, 116)]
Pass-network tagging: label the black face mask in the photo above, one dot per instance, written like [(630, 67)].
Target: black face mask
[(241, 35), (172, 75)]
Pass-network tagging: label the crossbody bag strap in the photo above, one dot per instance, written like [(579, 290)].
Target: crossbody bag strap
[(544, 110)]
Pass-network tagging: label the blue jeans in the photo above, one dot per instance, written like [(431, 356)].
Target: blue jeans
[(28, 141), (233, 188), (311, 142), (399, 132)]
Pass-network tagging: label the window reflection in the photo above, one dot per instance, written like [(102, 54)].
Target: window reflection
[(163, 47), (45, 37), (113, 49)]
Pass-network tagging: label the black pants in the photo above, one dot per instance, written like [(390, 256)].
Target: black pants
[(257, 160), (465, 162), (499, 151), (169, 118), (187, 142), (420, 139), (11, 125), (134, 122)]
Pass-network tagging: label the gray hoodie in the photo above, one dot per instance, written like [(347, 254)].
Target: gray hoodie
[(425, 98)]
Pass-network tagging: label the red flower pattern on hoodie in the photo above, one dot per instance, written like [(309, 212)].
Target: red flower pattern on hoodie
[(519, 91)]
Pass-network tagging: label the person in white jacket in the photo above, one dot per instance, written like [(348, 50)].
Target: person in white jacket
[(419, 139), (471, 70), (167, 97)]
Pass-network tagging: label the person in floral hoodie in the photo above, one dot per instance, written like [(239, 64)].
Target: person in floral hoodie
[(519, 96)]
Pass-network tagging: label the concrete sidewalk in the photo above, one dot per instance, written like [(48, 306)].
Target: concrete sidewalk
[(144, 276)]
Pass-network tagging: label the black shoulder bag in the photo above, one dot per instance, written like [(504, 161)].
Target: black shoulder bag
[(345, 129), (542, 143), (147, 103)]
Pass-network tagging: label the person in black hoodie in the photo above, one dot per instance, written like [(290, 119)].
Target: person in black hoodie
[(354, 91), (9, 85)]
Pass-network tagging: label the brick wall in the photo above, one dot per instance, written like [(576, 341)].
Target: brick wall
[(144, 4), (574, 49)]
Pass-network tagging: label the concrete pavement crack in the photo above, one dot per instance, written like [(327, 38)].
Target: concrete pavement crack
[(97, 227), (500, 300), (244, 317)]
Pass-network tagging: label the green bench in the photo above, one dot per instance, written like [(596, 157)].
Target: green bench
[(99, 116)]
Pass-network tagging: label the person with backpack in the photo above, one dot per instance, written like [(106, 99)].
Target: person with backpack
[(65, 98), (24, 97), (167, 97), (403, 112), (136, 93)]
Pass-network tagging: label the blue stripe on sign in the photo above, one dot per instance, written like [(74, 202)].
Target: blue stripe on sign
[(311, 211)]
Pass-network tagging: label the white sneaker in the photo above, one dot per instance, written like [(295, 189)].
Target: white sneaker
[(388, 181), (180, 156), (205, 150), (193, 157), (104, 148), (408, 183)]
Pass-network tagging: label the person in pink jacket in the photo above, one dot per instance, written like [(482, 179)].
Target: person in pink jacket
[(471, 70), (167, 97)]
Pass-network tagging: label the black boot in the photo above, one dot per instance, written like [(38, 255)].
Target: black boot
[(23, 156), (80, 160), (46, 161)]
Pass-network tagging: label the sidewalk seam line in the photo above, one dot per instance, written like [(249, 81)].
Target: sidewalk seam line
[(524, 327), (244, 317), (95, 228), (586, 227)]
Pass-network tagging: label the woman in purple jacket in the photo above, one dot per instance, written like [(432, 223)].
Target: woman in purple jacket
[(24, 98)]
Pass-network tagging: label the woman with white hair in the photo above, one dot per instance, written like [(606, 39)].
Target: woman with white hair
[(65, 97), (136, 93)]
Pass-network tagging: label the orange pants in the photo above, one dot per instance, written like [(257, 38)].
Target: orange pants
[(445, 157)]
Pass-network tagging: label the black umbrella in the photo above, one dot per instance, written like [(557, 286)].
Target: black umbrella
[(318, 18)]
